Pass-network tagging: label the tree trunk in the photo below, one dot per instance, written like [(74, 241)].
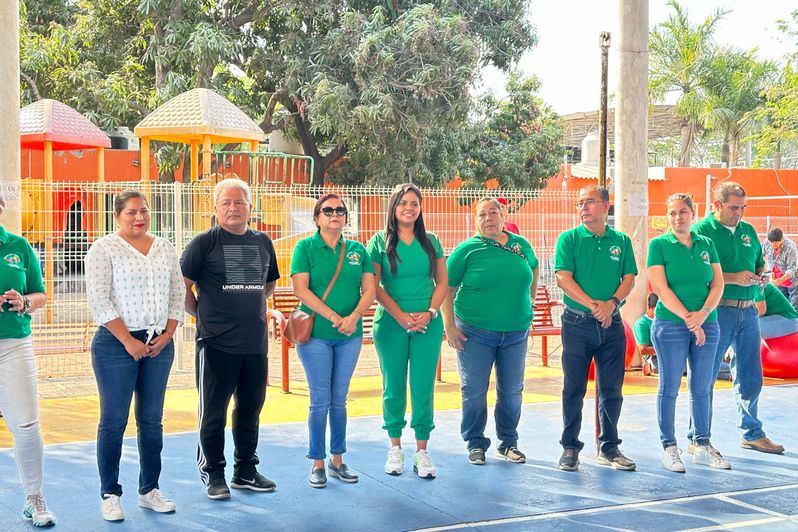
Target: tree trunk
[(735, 152), (688, 135), (777, 156), (724, 154)]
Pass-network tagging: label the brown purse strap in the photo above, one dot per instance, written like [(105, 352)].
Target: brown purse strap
[(337, 270)]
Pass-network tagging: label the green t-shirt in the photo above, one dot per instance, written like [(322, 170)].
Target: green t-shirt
[(494, 283), (597, 262), (776, 303), (313, 256), (20, 270), (688, 271), (642, 330), (738, 251), (412, 285)]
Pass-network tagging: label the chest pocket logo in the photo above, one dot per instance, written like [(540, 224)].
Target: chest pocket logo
[(354, 258), (14, 260), (746, 240), (615, 253), (705, 257)]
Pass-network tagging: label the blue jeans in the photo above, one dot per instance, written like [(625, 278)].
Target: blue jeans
[(583, 340), (483, 349), (118, 377), (675, 345), (775, 326), (739, 328), (329, 365)]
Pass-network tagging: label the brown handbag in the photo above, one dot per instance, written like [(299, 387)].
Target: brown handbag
[(300, 323)]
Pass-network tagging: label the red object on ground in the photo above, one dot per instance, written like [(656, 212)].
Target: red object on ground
[(630, 352), (780, 357)]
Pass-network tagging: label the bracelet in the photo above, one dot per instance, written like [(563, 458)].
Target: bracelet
[(356, 310), (707, 310)]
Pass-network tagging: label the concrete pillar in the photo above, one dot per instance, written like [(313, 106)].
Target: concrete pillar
[(9, 110), (631, 142)]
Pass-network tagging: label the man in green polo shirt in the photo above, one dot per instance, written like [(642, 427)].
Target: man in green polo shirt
[(596, 269), (777, 316), (742, 263)]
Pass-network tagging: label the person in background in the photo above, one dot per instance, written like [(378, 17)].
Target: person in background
[(331, 354), (509, 226), (22, 293), (493, 278), (642, 333), (777, 317), (781, 257), (411, 272), (135, 293)]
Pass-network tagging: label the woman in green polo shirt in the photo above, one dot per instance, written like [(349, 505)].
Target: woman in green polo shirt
[(329, 358), (685, 273), (411, 276), (21, 292), (492, 282)]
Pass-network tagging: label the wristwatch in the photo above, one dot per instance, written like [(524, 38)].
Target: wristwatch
[(433, 313), (616, 301)]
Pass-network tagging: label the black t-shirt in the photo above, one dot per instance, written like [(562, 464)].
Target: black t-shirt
[(231, 272)]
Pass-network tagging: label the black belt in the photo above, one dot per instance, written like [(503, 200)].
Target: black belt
[(736, 303)]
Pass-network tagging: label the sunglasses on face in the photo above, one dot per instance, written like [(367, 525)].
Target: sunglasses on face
[(329, 211)]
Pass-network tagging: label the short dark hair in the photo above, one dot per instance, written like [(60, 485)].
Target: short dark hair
[(604, 192), (723, 191), (775, 235), (320, 202), (123, 197), (652, 300)]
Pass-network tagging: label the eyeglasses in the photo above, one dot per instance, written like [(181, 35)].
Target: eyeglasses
[(329, 211), (587, 203)]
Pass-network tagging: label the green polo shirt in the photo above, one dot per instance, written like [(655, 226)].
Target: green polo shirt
[(776, 302), (597, 262), (313, 256), (412, 285), (20, 270), (642, 330), (688, 271), (494, 283), (738, 251)]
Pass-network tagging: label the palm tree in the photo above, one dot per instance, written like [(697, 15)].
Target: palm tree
[(679, 54)]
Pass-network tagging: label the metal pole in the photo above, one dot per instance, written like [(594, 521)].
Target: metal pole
[(604, 44)]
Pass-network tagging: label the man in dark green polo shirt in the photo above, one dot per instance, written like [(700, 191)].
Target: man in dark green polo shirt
[(742, 263), (596, 269)]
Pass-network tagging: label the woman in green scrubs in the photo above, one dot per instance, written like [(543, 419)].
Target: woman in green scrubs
[(411, 284)]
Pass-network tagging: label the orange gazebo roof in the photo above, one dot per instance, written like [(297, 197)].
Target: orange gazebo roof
[(53, 121)]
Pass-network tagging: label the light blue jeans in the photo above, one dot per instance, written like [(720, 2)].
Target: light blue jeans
[(675, 345), (774, 326), (484, 348), (329, 365)]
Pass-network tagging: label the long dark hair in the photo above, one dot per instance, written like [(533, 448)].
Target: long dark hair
[(392, 229)]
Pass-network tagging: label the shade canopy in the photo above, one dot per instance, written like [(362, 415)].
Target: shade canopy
[(197, 114), (56, 122)]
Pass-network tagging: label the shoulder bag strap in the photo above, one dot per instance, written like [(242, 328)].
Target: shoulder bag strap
[(337, 270)]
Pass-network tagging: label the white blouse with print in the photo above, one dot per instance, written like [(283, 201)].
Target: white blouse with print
[(143, 290)]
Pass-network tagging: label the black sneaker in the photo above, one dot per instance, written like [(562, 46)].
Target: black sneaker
[(511, 454), (217, 487), (569, 460), (476, 456), (342, 472), (257, 482), (615, 459)]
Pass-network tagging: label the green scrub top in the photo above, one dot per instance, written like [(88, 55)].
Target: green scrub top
[(597, 262), (494, 283), (688, 271), (738, 251), (776, 302), (312, 255), (19, 270), (412, 285)]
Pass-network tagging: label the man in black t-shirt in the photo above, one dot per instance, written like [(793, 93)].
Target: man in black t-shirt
[(233, 269)]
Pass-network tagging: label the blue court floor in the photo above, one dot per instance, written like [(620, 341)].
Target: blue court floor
[(759, 493)]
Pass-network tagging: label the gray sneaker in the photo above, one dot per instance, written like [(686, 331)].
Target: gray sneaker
[(615, 459), (672, 461), (476, 456), (318, 478), (342, 472), (569, 460), (708, 455)]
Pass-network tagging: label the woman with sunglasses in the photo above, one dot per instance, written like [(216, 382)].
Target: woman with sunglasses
[(329, 358), (411, 286)]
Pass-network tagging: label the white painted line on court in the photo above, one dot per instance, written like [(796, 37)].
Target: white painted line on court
[(738, 524)]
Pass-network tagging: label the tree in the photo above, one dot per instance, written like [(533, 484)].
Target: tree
[(518, 141), (679, 55)]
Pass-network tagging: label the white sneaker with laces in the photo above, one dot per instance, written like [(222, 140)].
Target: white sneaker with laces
[(155, 501), (672, 461), (111, 508), (36, 510), (422, 464), (708, 455), (396, 461)]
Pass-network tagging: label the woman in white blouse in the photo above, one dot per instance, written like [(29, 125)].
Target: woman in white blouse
[(136, 292)]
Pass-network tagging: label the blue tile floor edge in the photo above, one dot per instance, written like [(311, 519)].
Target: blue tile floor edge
[(499, 495)]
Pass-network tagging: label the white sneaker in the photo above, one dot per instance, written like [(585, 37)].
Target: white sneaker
[(155, 501), (672, 461), (36, 510), (708, 455), (422, 464), (111, 508), (396, 461)]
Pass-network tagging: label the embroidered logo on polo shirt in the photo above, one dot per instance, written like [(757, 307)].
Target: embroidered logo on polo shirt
[(705, 257), (746, 240), (13, 260), (354, 258), (615, 253)]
